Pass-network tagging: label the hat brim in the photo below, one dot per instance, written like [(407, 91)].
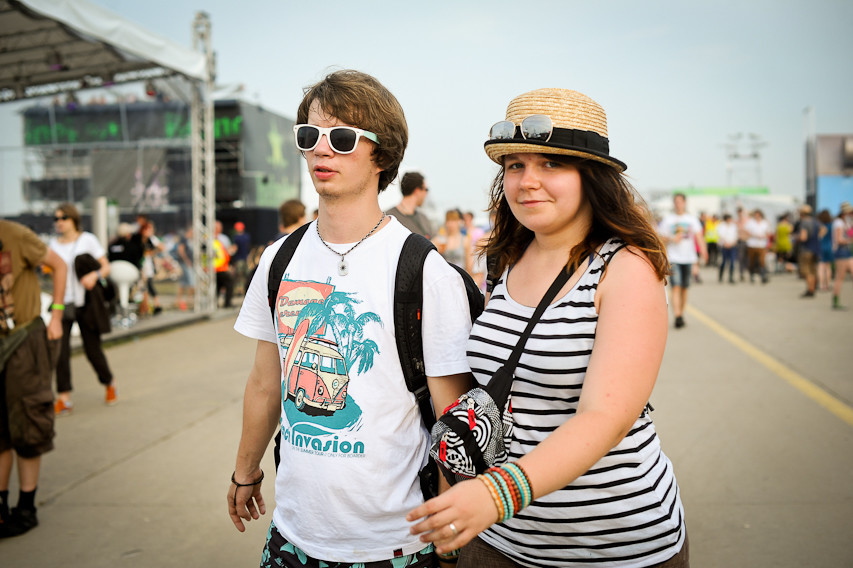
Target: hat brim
[(497, 149)]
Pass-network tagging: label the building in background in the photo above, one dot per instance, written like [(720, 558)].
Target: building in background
[(833, 169)]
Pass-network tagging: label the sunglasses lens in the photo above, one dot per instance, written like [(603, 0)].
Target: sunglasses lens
[(60, 218), (537, 127), (342, 140), (503, 130), (307, 137)]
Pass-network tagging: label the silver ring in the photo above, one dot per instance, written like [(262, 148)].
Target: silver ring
[(453, 528)]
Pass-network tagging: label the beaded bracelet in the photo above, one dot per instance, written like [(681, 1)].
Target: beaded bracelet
[(520, 477), (505, 492), (509, 487), (493, 491)]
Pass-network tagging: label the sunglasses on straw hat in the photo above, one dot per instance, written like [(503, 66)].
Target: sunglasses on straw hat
[(342, 139), (553, 121)]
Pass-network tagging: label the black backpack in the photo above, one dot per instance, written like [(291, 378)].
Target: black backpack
[(408, 300)]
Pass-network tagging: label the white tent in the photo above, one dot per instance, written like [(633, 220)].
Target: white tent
[(54, 46), (50, 46)]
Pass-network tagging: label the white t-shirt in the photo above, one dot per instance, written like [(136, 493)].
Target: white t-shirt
[(348, 476), (757, 232), (727, 234), (838, 224), (75, 293), (683, 251)]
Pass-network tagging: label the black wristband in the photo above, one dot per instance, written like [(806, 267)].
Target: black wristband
[(234, 481)]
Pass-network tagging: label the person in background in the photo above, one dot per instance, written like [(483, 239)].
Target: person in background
[(826, 256), (457, 246), (712, 239), (291, 216), (222, 251), (242, 242), (681, 232), (183, 255), (758, 232), (742, 261), (70, 243), (26, 364), (587, 483), (727, 236), (809, 238), (127, 246), (414, 188), (782, 243), (842, 236), (152, 246)]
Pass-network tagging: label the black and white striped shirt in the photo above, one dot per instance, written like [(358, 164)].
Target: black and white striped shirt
[(626, 510)]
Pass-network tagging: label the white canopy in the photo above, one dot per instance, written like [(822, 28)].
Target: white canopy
[(49, 46)]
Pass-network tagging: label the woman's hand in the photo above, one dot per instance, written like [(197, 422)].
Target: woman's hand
[(89, 280), (455, 517)]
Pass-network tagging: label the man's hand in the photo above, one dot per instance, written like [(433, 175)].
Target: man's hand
[(245, 502)]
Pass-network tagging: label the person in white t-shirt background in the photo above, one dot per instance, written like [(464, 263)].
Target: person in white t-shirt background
[(757, 244), (352, 449), (71, 241), (682, 234)]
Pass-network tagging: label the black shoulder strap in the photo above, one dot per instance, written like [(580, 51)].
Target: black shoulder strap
[(279, 265), (501, 382), (408, 299)]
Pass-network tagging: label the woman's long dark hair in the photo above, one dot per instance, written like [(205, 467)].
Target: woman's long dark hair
[(617, 211)]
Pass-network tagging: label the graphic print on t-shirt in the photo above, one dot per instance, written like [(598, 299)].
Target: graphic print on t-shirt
[(325, 345)]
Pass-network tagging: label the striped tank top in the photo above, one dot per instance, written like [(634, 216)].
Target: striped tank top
[(626, 510)]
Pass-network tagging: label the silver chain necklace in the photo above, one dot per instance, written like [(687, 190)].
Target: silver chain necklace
[(343, 267)]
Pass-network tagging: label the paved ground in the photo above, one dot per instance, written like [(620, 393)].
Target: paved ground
[(753, 404)]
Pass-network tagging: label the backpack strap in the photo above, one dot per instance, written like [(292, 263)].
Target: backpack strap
[(408, 300), (279, 265)]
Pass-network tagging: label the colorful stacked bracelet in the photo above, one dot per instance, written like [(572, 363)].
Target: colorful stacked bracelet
[(451, 557), (509, 487)]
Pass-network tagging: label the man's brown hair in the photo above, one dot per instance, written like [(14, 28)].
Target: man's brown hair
[(359, 100), (290, 212)]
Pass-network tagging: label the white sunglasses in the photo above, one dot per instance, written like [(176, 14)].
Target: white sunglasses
[(342, 139)]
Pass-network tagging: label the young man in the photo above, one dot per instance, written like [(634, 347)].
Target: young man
[(682, 234), (414, 190), (328, 369), (26, 395)]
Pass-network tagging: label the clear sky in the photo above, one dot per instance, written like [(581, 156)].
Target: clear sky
[(676, 78)]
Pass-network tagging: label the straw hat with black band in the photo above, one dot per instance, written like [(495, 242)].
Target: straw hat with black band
[(579, 127)]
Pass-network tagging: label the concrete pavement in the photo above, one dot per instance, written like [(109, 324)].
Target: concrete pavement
[(752, 404)]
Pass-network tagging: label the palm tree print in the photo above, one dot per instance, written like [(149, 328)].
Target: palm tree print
[(338, 311)]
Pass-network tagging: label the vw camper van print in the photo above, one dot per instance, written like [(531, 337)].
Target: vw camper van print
[(315, 373), (324, 340)]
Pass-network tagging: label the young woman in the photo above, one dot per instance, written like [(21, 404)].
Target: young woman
[(70, 243), (586, 482), (457, 246), (827, 255), (842, 236)]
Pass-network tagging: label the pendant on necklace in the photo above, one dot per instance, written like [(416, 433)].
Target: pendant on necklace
[(343, 269)]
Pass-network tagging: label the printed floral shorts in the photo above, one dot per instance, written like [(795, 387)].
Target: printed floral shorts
[(278, 553)]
